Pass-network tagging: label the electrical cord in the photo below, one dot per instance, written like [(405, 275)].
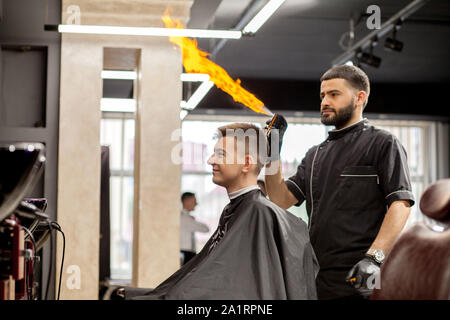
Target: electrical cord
[(52, 225), (31, 236), (32, 257), (58, 228), (50, 269)]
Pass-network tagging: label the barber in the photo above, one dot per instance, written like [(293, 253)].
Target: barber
[(356, 186)]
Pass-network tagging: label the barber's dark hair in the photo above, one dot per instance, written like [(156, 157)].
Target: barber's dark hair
[(187, 195), (357, 78)]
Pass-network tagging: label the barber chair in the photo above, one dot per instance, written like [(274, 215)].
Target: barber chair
[(418, 265)]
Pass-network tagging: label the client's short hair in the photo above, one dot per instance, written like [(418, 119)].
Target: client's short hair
[(251, 133)]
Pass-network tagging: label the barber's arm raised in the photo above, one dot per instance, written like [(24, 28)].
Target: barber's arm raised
[(277, 189)]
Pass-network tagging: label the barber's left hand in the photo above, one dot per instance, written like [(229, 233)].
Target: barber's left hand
[(363, 276), (281, 125)]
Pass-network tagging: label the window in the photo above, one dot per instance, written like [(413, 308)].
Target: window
[(303, 133), (118, 132), (415, 138), (198, 145)]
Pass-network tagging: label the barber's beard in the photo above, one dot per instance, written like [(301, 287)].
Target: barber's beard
[(340, 118)]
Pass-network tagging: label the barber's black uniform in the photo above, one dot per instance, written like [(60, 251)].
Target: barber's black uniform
[(348, 182)]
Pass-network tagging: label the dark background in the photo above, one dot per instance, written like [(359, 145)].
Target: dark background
[(283, 62)]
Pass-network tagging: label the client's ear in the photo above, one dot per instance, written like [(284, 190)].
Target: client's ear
[(249, 163)]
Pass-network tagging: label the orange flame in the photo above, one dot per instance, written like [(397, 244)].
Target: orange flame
[(196, 61)]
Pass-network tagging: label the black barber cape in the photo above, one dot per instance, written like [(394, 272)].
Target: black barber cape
[(259, 251), (348, 182)]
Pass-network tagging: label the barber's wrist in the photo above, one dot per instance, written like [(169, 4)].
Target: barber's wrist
[(377, 255)]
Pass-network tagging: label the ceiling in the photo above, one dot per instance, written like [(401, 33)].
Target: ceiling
[(301, 39), (283, 62)]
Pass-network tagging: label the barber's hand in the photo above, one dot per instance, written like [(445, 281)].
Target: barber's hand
[(278, 129), (363, 276)]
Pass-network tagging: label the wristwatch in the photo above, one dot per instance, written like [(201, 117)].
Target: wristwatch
[(377, 255)]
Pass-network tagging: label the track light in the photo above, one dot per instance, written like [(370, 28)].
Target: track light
[(392, 44), (385, 28), (369, 58)]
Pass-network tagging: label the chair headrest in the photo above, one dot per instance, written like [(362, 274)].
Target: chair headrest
[(435, 201)]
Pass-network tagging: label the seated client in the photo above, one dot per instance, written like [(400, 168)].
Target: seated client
[(259, 250)]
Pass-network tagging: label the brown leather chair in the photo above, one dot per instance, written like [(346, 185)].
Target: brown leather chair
[(418, 264)]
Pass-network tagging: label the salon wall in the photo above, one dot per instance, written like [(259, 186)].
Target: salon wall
[(157, 178)]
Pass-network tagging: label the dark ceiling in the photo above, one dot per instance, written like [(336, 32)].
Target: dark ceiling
[(283, 62), (302, 38)]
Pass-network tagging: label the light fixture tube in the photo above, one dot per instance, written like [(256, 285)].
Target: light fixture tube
[(183, 114), (150, 31), (117, 105), (262, 16), (194, 77), (119, 75), (198, 95)]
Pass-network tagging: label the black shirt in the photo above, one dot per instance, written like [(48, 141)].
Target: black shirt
[(348, 182)]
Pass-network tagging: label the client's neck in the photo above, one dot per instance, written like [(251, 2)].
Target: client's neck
[(243, 182)]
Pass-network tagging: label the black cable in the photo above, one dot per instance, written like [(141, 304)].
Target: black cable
[(31, 237), (33, 252), (51, 259), (58, 228)]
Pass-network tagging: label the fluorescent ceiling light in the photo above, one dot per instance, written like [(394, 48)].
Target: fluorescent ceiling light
[(183, 114), (117, 74), (194, 77), (117, 105), (262, 16), (149, 31), (198, 95)]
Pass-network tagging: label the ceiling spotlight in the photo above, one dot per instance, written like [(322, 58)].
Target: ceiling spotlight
[(392, 44), (369, 58)]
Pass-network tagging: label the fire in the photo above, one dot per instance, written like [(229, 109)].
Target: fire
[(196, 61)]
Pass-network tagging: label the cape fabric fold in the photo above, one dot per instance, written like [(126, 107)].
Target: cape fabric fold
[(259, 251)]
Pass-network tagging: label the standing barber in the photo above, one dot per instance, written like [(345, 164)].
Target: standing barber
[(356, 185)]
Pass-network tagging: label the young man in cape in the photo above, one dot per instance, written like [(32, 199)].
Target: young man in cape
[(259, 251)]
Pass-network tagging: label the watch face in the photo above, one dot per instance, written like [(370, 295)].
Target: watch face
[(379, 255)]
